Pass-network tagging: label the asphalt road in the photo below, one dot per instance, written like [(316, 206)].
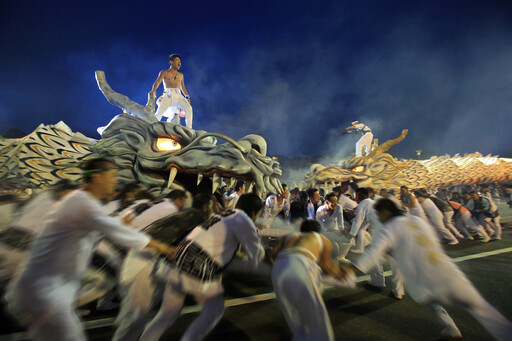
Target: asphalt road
[(252, 312)]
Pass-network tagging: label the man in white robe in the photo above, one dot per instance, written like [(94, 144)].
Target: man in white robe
[(43, 296), (430, 276)]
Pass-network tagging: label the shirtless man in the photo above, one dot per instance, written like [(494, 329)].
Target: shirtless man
[(175, 97), (296, 278)]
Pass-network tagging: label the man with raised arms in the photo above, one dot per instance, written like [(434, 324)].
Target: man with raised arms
[(175, 97)]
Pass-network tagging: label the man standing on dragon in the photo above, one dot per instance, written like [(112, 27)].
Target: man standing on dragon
[(175, 97), (365, 142)]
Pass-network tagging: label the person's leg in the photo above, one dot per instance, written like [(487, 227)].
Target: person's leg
[(466, 218), (486, 223), (295, 284), (461, 226), (185, 105), (136, 306), (163, 103), (447, 219), (59, 323), (212, 312), (497, 225), (449, 327), (169, 311), (437, 222), (377, 278), (397, 280), (492, 320)]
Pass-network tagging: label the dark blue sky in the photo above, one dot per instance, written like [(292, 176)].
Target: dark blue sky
[(295, 72)]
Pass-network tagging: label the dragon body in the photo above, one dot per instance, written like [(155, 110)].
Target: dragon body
[(381, 170)]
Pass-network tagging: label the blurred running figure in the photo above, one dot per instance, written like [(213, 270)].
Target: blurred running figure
[(197, 267), (297, 281), (175, 97), (364, 144), (430, 276), (43, 296)]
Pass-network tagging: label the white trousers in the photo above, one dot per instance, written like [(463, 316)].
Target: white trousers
[(296, 284), (436, 220), (171, 103), (467, 296), (447, 220), (172, 304), (364, 144)]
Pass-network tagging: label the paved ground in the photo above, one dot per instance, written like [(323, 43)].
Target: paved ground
[(360, 314)]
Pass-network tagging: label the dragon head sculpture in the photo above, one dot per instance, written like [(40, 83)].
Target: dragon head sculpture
[(158, 155), (167, 155)]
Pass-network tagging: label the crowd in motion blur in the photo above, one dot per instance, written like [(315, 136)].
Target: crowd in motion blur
[(111, 245)]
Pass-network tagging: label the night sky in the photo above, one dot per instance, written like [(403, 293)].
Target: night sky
[(295, 72)]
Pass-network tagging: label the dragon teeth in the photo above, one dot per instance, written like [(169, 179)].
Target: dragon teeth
[(199, 178), (172, 176), (249, 189), (215, 182)]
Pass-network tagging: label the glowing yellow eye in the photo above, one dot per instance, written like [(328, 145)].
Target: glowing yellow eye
[(358, 169), (167, 144)]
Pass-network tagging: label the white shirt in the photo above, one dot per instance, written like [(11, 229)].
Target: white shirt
[(431, 209), (61, 253), (347, 203), (365, 216), (330, 222), (153, 211), (429, 274), (232, 200), (272, 208)]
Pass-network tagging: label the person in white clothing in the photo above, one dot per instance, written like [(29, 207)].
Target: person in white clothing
[(296, 278), (367, 219), (435, 217), (410, 202), (495, 215), (43, 296), (330, 217), (364, 144), (430, 276), (275, 204), (330, 214), (142, 290), (363, 220), (145, 213), (175, 97), (233, 197), (16, 240), (197, 267), (463, 218), (314, 201)]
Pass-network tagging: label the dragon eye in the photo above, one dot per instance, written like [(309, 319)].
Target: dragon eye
[(358, 169), (167, 145)]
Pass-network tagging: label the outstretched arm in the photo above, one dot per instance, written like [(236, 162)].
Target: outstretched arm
[(327, 265)]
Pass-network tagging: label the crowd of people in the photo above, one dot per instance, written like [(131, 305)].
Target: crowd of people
[(112, 245)]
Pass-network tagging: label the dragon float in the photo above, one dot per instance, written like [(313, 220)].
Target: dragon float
[(381, 170), (157, 155)]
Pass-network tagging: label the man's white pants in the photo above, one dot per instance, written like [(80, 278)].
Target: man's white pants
[(171, 103), (364, 143)]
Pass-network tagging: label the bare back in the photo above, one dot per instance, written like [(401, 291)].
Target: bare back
[(308, 241)]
